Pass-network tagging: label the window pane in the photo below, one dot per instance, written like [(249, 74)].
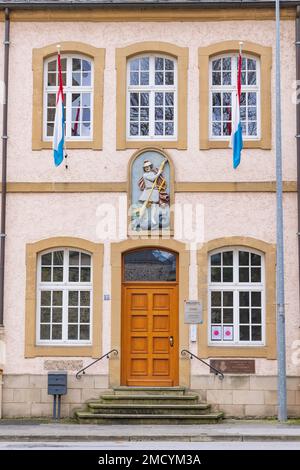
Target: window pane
[(215, 274), (134, 99), (144, 78), (73, 315), (228, 258), (227, 299), (74, 274), (244, 299), (85, 275), (243, 258), (216, 298), (134, 129), (159, 63), (45, 315), (73, 297), (244, 333), (216, 316), (216, 99), (256, 333), (256, 315), (84, 332), (169, 64), (216, 259), (243, 274), (169, 78), (226, 78), (255, 275), (84, 315), (144, 63), (134, 78), (227, 275), (255, 259), (57, 297), (134, 64), (46, 297), (58, 258), (45, 332), (227, 315), (84, 298), (159, 128), (226, 63), (73, 332), (150, 265), (159, 78), (169, 129), (85, 259), (216, 64), (56, 331), (244, 315), (46, 274), (256, 299), (216, 131), (57, 315), (57, 274), (216, 78)]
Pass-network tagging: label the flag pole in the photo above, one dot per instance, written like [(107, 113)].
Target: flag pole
[(65, 145), (281, 351)]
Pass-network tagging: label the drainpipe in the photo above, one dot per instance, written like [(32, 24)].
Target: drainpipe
[(4, 164), (298, 128)]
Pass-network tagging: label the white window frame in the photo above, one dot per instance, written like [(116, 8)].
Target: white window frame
[(232, 89), (152, 89), (65, 287), (68, 90), (236, 287)]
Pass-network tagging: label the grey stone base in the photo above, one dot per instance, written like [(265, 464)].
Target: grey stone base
[(238, 396), (246, 396)]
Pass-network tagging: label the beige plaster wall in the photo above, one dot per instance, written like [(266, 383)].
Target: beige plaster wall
[(110, 165), (76, 215)]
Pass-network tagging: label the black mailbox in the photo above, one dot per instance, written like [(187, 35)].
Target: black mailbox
[(57, 383)]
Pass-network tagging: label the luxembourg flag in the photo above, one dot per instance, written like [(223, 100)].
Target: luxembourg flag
[(236, 139), (59, 123)]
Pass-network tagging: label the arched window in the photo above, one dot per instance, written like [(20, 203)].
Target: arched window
[(236, 297), (77, 75), (152, 97), (223, 85), (64, 297)]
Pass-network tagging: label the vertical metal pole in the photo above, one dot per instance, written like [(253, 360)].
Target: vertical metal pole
[(58, 408), (4, 165), (54, 406), (281, 360)]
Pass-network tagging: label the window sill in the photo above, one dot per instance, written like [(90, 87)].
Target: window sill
[(78, 144), (62, 350), (224, 144), (137, 144), (239, 351)]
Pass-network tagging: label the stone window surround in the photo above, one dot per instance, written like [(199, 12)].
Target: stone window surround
[(269, 250), (264, 54), (32, 252), (38, 57), (163, 48)]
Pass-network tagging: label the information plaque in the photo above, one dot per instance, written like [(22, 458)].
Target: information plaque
[(193, 312)]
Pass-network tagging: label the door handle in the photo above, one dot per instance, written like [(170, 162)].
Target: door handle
[(171, 340)]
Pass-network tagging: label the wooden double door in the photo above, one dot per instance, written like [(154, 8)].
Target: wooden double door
[(150, 340)]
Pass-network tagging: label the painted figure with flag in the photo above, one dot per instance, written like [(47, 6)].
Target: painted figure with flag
[(59, 123), (236, 139)]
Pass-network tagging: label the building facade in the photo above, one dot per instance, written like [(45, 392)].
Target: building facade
[(147, 212)]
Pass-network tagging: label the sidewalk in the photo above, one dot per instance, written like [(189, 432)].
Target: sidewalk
[(228, 430)]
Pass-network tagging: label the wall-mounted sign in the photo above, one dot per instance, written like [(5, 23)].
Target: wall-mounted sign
[(193, 312), (234, 366)]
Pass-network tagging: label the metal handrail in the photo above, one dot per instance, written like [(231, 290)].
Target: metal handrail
[(82, 371), (217, 372)]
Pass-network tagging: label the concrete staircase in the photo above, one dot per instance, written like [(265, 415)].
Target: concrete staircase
[(148, 405)]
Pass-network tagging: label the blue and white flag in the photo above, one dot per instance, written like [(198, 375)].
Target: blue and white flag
[(236, 139), (59, 124)]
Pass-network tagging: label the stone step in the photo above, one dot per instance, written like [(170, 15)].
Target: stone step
[(121, 390), (93, 418), (148, 399), (154, 409)]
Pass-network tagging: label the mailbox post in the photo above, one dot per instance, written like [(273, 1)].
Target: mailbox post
[(57, 386)]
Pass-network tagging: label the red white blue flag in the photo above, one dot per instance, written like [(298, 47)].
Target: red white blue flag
[(236, 139), (59, 124)]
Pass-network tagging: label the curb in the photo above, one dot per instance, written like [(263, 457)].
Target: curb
[(138, 438)]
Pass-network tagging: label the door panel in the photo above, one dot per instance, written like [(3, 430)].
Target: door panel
[(149, 319)]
